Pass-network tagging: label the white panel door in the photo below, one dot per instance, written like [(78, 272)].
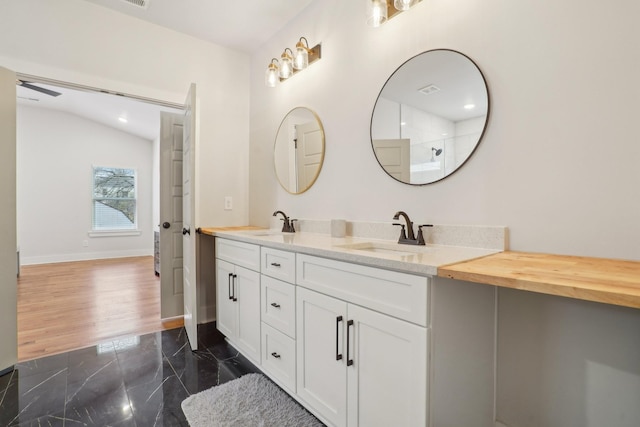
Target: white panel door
[(226, 309), (394, 155), (247, 296), (8, 259), (321, 374), (189, 143), (171, 271), (309, 152), (387, 372)]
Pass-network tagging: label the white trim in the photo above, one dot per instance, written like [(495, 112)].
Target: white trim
[(113, 233), (169, 319), (48, 259)]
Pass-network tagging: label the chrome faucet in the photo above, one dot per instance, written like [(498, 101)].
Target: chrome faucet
[(409, 238), (287, 225)]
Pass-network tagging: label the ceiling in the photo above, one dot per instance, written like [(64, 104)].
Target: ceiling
[(239, 24), (143, 119), (456, 79)]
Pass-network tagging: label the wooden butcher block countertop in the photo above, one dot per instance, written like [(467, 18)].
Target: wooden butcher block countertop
[(211, 230), (593, 279)]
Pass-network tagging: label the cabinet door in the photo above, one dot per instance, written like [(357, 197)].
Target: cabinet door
[(387, 381), (226, 311), (247, 295), (321, 374)]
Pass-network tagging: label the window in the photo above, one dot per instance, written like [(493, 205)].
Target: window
[(114, 199)]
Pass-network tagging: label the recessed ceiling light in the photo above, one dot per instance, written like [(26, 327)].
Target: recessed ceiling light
[(123, 119), (403, 123), (469, 106)]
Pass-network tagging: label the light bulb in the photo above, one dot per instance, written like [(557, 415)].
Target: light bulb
[(301, 60), (271, 75), (376, 12), (286, 69), (403, 4)]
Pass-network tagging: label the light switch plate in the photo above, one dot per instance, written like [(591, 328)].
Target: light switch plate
[(228, 203)]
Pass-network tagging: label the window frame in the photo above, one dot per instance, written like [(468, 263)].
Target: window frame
[(115, 231)]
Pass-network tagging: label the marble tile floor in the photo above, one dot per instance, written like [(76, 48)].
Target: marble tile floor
[(137, 381)]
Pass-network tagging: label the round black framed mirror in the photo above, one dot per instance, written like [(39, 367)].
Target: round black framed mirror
[(429, 117)]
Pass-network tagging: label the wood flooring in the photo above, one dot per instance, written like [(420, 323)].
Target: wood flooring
[(71, 305)]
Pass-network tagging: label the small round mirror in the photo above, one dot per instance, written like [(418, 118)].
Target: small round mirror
[(299, 150), (429, 117)]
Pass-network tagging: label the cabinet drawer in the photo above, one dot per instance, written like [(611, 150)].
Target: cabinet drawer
[(279, 356), (239, 253), (401, 295), (278, 264), (279, 305)]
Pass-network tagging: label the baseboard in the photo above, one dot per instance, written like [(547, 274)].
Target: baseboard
[(50, 259), (499, 424), (6, 370)]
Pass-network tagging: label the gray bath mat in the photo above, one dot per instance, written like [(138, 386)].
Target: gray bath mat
[(249, 401)]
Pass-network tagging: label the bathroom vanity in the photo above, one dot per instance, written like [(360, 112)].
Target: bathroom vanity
[(353, 328)]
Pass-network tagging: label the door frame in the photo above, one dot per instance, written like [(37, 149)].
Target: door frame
[(87, 88)]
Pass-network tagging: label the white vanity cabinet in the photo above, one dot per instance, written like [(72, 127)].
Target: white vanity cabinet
[(357, 366), (350, 342), (238, 295)]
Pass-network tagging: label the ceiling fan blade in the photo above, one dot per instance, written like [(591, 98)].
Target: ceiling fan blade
[(39, 89)]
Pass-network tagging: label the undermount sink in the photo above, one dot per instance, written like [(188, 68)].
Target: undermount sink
[(386, 248)]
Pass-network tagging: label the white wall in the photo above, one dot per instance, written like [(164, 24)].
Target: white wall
[(56, 152), (76, 41), (558, 165)]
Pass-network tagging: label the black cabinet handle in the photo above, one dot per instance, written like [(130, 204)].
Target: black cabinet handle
[(275, 304), (338, 355), (276, 355), (230, 276), (235, 276), (275, 264), (186, 231), (349, 360)]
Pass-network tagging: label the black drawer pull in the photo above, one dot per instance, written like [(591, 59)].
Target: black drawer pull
[(275, 304), (338, 320), (276, 264), (349, 325), (276, 355), (230, 276)]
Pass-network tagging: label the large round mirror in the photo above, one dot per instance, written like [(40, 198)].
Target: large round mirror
[(429, 117), (299, 150)]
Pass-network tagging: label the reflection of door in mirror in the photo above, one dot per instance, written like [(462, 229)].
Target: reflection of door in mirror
[(308, 153), (394, 157), (299, 150)]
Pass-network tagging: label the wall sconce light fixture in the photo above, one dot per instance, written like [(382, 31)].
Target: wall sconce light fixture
[(379, 11), (286, 66), (291, 63), (271, 76)]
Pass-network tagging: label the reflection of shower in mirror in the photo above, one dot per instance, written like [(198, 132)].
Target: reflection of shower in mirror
[(434, 153)]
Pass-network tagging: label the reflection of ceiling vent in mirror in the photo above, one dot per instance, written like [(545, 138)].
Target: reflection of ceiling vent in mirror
[(140, 3), (427, 90)]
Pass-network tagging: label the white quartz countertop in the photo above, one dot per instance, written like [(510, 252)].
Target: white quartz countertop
[(406, 258)]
